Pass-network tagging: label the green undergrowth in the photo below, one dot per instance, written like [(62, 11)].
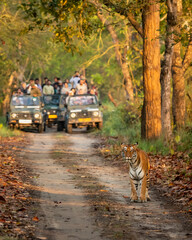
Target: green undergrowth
[(122, 124), (4, 131)]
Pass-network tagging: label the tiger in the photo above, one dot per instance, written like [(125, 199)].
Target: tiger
[(138, 171)]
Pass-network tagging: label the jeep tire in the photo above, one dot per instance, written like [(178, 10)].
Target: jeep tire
[(40, 128), (60, 126), (68, 128), (99, 125)]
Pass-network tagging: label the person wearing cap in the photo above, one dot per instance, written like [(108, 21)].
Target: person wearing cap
[(48, 89), (28, 88), (81, 87), (35, 91)]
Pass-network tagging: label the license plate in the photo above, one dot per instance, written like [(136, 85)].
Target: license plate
[(84, 119), (52, 116), (25, 121)]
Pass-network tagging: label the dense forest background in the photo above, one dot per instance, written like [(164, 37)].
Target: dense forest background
[(137, 53)]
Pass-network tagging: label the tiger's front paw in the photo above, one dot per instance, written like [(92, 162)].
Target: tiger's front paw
[(142, 199), (134, 199)]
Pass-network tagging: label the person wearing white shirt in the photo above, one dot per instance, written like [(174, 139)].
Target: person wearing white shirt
[(48, 89), (74, 80)]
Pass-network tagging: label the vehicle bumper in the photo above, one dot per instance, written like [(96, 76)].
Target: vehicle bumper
[(19, 124), (85, 121)]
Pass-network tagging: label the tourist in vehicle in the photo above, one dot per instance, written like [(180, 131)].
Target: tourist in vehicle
[(65, 89), (74, 80), (24, 87), (48, 89), (38, 85), (56, 89), (31, 82), (55, 82), (73, 90), (81, 87), (19, 92), (35, 91), (71, 93), (69, 84), (45, 82), (60, 86)]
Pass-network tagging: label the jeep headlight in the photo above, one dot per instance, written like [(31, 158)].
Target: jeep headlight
[(95, 114), (37, 115), (13, 115), (48, 113), (73, 115)]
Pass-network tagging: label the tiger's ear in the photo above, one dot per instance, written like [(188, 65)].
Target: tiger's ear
[(136, 144), (122, 145)]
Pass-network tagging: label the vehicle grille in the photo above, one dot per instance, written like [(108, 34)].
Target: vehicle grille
[(84, 114), (52, 111), (25, 115)]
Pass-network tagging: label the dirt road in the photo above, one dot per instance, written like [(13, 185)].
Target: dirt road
[(81, 196)]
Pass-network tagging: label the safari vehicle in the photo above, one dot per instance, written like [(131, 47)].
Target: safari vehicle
[(26, 111), (83, 110), (55, 109)]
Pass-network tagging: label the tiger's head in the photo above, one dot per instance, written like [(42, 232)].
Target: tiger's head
[(129, 151)]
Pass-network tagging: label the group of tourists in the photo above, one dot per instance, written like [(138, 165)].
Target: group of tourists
[(76, 85)]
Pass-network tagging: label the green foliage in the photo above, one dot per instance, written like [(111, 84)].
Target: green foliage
[(184, 139), (4, 131)]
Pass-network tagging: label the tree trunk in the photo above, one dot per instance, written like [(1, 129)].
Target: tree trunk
[(178, 79), (8, 93), (151, 112), (166, 71)]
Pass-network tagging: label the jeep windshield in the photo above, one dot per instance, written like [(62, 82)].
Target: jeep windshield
[(25, 101), (51, 100), (82, 100)]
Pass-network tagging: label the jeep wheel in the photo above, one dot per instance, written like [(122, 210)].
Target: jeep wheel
[(68, 128), (49, 125), (100, 125), (60, 126), (40, 128)]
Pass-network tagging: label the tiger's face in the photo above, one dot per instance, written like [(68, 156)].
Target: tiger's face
[(128, 152)]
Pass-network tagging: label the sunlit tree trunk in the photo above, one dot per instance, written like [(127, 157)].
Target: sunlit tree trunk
[(178, 79), (166, 70), (151, 112), (8, 93)]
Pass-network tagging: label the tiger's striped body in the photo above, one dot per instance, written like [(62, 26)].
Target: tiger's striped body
[(138, 172)]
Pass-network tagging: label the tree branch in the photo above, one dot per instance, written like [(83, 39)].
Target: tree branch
[(124, 12)]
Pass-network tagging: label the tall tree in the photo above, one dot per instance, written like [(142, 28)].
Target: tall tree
[(179, 66), (178, 77), (151, 112), (166, 70)]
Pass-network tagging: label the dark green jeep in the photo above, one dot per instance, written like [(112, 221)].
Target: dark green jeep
[(55, 109), (26, 111), (83, 110)]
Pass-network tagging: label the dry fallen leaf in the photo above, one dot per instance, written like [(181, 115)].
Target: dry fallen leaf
[(35, 219)]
